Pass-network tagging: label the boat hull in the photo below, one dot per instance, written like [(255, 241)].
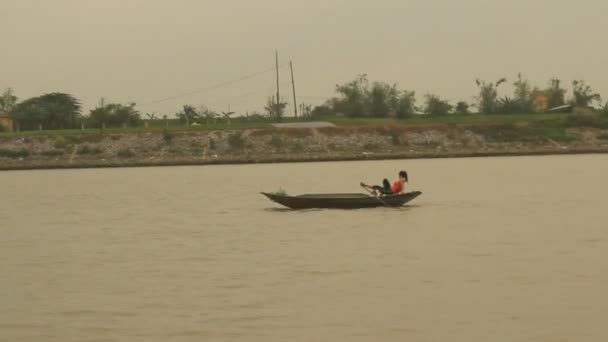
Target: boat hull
[(341, 201)]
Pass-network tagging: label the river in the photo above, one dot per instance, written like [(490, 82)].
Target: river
[(496, 249)]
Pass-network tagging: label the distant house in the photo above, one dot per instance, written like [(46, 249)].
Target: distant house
[(6, 121), (540, 101)]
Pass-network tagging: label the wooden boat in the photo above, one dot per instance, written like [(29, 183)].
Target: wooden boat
[(342, 201)]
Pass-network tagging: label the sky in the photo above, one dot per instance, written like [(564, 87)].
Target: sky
[(162, 54)]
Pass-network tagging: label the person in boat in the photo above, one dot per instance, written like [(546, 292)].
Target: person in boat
[(388, 189)]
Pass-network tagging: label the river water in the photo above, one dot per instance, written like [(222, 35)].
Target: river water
[(496, 249)]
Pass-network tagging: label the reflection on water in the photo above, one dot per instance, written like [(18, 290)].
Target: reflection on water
[(500, 249)]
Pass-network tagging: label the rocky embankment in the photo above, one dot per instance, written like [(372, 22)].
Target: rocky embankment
[(289, 145)]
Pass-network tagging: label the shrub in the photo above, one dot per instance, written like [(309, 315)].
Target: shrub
[(370, 146), (511, 132), (276, 141), (74, 139), (168, 136), (61, 143), (125, 153), (91, 150), (396, 138), (212, 145), (22, 153), (52, 153), (236, 140), (176, 150), (586, 121), (298, 147)]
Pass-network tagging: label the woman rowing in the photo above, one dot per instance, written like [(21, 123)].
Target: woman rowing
[(388, 189)]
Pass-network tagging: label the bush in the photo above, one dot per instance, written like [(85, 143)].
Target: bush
[(125, 153), (276, 141), (168, 136), (212, 144), (370, 146), (298, 147), (90, 150), (236, 140), (581, 120), (52, 153), (511, 133), (22, 153), (61, 143), (74, 139), (396, 138)]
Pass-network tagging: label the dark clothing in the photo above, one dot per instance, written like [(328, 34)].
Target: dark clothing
[(385, 189)]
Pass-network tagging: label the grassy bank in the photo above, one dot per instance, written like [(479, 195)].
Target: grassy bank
[(351, 139), (554, 120)]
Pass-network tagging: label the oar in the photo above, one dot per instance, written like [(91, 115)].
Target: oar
[(371, 193)]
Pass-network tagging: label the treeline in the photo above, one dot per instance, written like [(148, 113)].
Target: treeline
[(361, 98), (358, 98), (64, 111)]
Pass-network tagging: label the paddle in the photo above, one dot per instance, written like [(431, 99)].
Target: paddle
[(374, 195)]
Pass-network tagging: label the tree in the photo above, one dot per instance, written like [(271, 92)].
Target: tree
[(383, 99), (556, 95), (406, 104), (226, 116), (507, 105), (462, 108), (488, 95), (114, 115), (28, 114), (436, 106), (275, 110), (188, 115), (583, 95), (322, 111), (52, 111), (8, 100), (353, 97), (522, 96), (127, 115), (604, 109), (208, 115)]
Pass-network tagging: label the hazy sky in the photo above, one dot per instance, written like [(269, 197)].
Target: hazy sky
[(146, 50)]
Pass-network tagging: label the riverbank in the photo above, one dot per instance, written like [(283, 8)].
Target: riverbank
[(266, 145)]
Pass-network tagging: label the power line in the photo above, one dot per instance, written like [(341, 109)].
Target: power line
[(216, 86)]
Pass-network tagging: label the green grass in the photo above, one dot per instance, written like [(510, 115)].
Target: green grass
[(89, 150), (447, 119), (565, 120), (52, 153), (21, 153), (535, 132), (125, 153)]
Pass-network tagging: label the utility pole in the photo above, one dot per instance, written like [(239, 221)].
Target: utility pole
[(293, 85), (278, 93)]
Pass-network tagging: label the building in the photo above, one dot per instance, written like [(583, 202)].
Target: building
[(6, 121)]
